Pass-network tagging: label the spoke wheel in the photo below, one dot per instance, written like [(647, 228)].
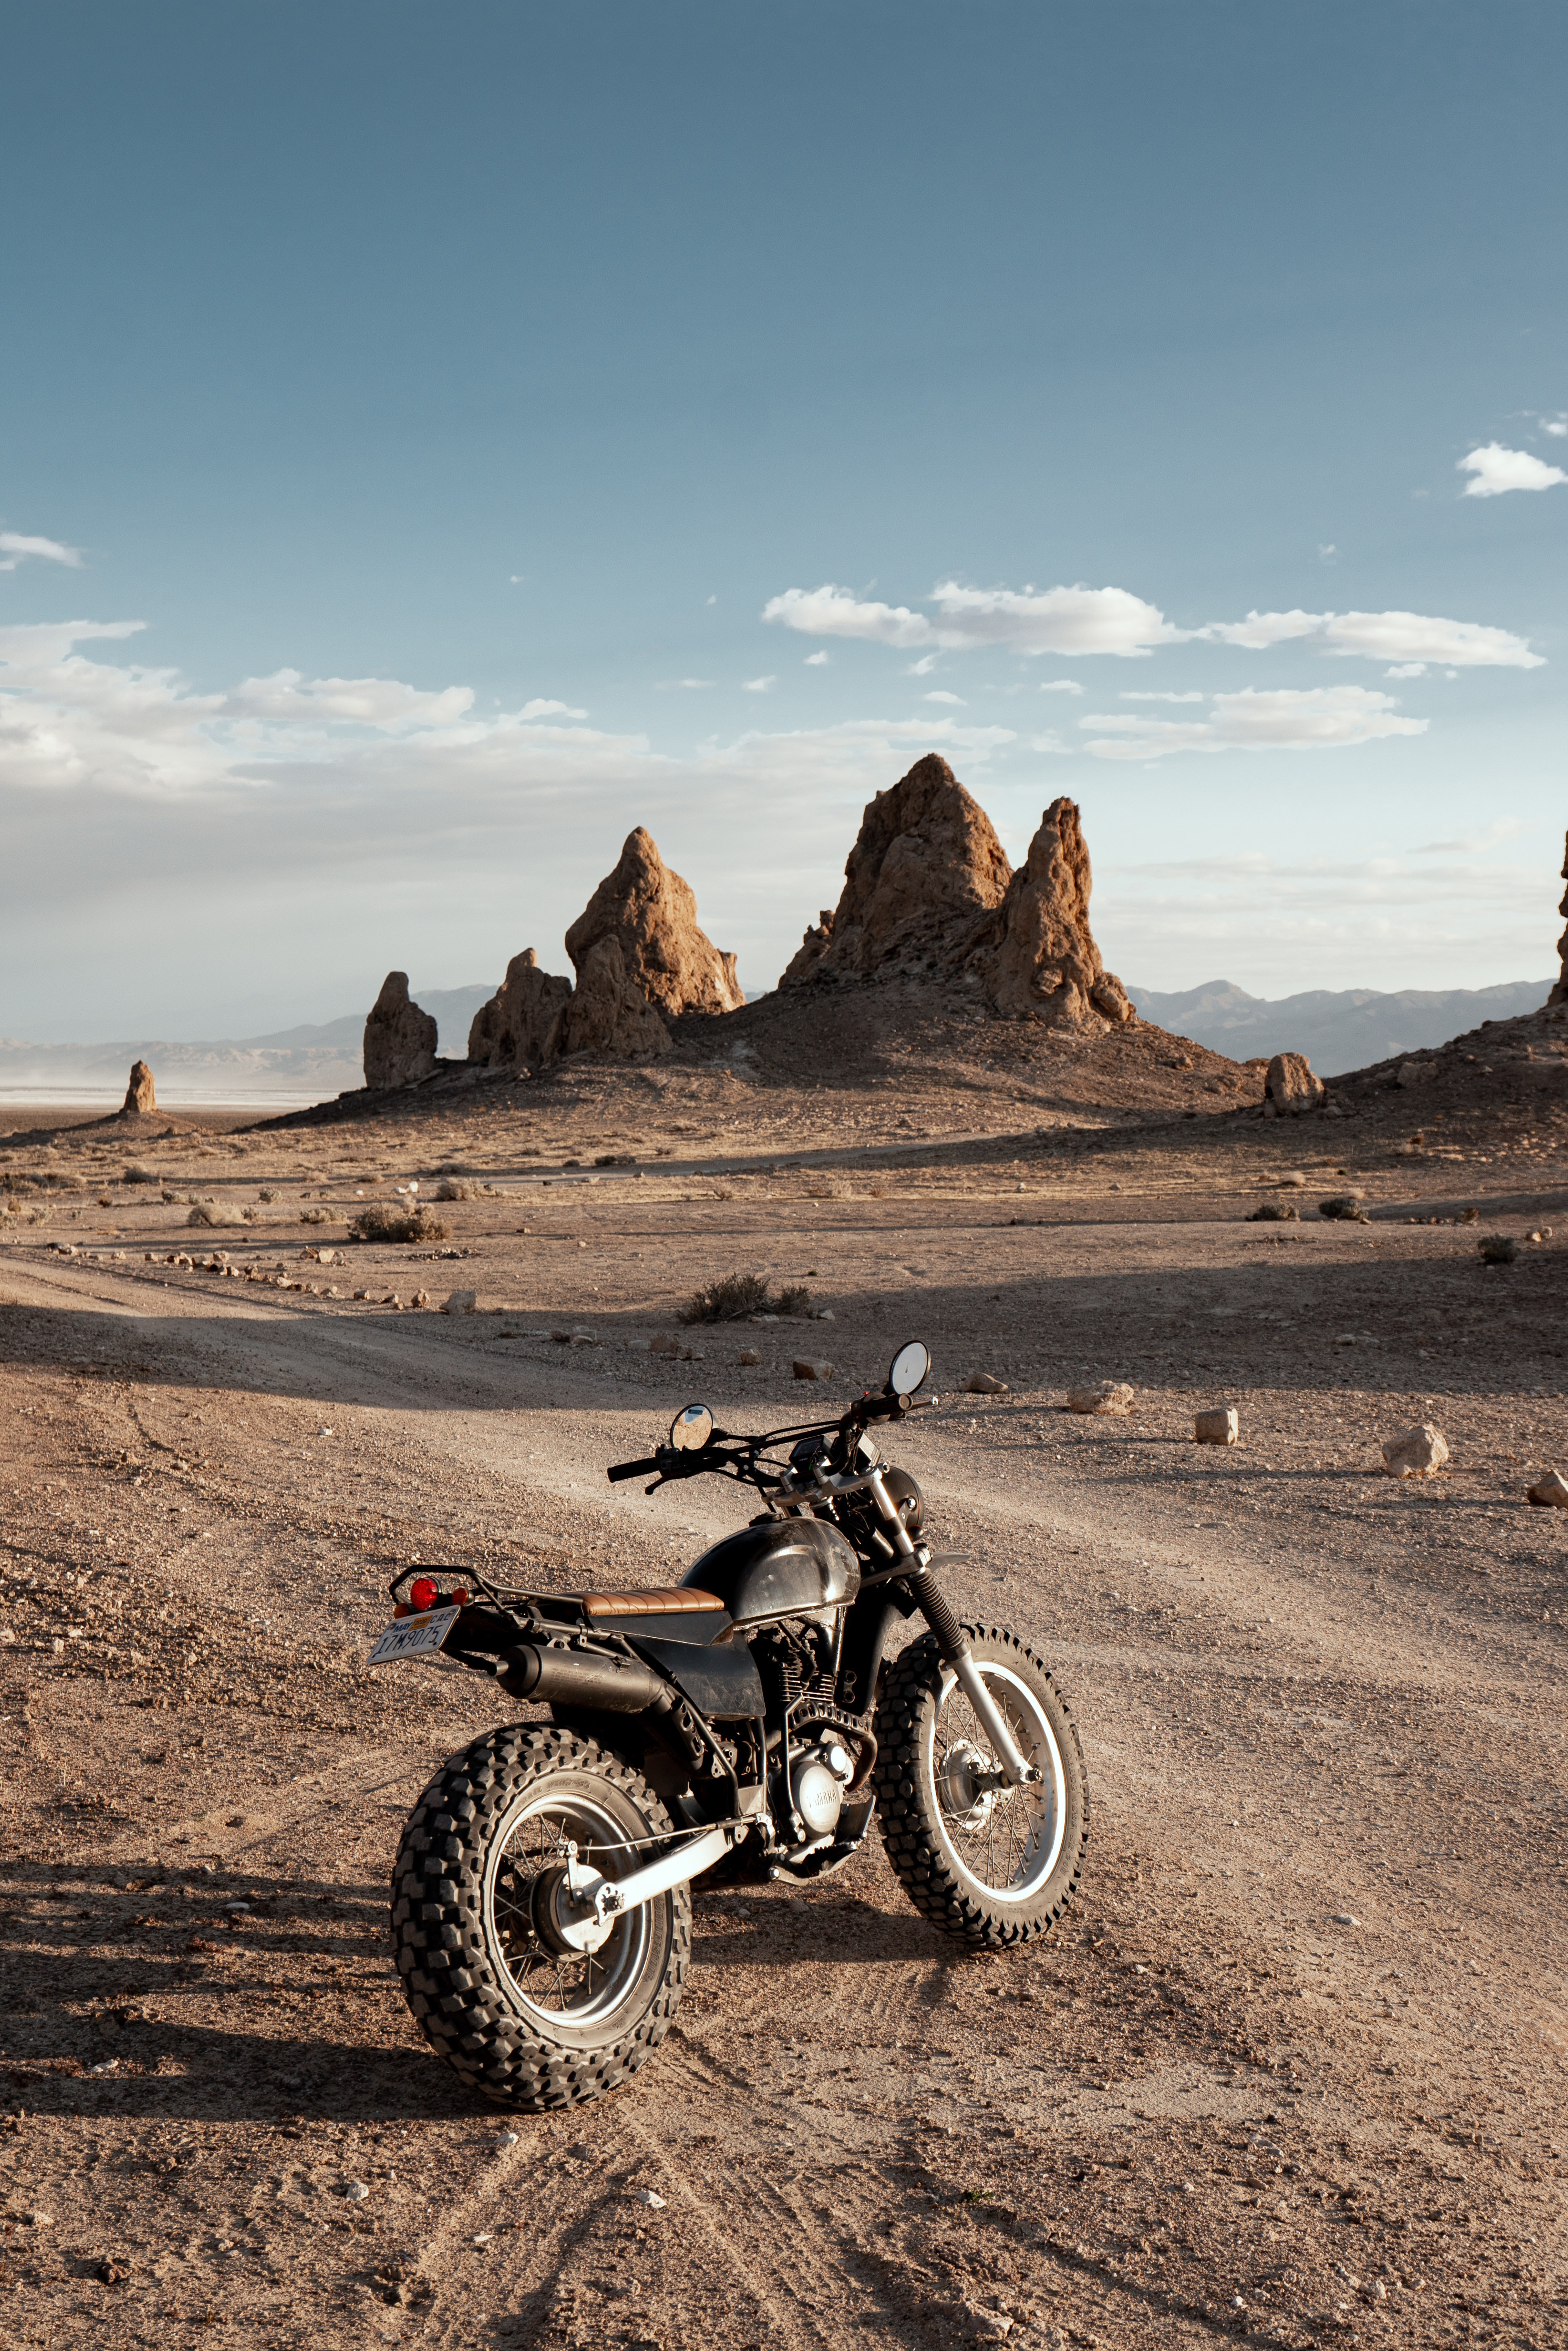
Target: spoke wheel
[(477, 1910), (994, 1864)]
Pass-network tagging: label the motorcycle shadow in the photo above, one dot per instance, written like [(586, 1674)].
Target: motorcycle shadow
[(763, 1931)]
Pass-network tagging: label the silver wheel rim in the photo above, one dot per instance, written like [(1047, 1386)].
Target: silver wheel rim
[(563, 1988), (1005, 1841)]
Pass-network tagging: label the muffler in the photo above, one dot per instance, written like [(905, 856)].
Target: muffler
[(583, 1677)]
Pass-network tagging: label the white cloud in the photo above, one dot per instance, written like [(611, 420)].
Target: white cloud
[(1321, 718), (1327, 554), (1381, 636), (1494, 470), (16, 548), (1060, 686), (817, 661), (683, 684), (923, 667), (379, 702), (1132, 696), (1056, 620), (549, 710), (939, 693), (759, 685), (1111, 620), (1408, 669), (1557, 427)]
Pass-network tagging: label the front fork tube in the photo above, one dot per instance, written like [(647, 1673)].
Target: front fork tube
[(951, 1646)]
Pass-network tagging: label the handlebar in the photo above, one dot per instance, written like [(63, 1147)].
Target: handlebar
[(621, 1470)]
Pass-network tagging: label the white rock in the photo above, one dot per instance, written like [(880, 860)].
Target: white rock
[(1345, 1918), (355, 2190), (462, 1301), (647, 2196), (1111, 1395), (1221, 1427), (1419, 1453)]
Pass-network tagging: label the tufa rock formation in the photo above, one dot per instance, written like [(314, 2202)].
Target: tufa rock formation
[(1560, 992), (651, 915), (520, 1027), (608, 1012), (925, 870), (929, 895), (140, 1099), (1046, 962), (399, 1039)]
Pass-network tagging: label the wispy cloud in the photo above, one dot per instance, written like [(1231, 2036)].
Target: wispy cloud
[(1060, 686), (939, 693), (758, 685), (1321, 718), (1131, 695), (17, 547), (1494, 470), (531, 710), (1084, 620), (683, 684), (817, 661)]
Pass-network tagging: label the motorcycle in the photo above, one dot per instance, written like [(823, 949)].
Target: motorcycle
[(745, 1722)]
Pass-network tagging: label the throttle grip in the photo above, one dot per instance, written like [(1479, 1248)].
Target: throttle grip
[(621, 1470)]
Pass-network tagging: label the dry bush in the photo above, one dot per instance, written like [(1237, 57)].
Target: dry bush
[(740, 1294), (381, 1222), (217, 1212), (314, 1217), (141, 1176)]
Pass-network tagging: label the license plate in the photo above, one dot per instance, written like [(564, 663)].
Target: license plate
[(413, 1636)]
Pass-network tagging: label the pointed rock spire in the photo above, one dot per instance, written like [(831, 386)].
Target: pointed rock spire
[(399, 1039), (652, 915)]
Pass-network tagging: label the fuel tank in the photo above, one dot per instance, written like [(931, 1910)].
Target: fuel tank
[(783, 1567)]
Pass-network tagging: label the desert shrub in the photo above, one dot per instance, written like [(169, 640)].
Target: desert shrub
[(453, 1187), (383, 1222), (1498, 1249), (740, 1294), (141, 1176), (314, 1217), (217, 1212), (268, 1195)]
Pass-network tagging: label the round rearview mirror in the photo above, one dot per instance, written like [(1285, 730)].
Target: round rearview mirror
[(690, 1430), (910, 1367)]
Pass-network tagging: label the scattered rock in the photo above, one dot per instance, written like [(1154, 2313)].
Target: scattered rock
[(1289, 1088), (1275, 1212), (217, 1212), (982, 1384), (141, 1101), (520, 1027), (461, 1301), (1413, 1073), (1498, 1249), (651, 915), (648, 2195), (1550, 1492), (1295, 1182), (399, 1039), (748, 1357), (355, 2191), (112, 2272), (808, 1371), (1419, 1453), (1220, 1427), (1110, 1396), (1345, 1918), (421, 1297), (1344, 1209)]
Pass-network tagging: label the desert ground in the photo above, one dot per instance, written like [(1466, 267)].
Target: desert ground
[(1296, 2070)]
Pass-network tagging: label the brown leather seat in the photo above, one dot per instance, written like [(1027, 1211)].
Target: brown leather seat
[(660, 1599)]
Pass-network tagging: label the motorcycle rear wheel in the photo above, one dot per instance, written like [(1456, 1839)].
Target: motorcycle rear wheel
[(993, 1865), (530, 2024)]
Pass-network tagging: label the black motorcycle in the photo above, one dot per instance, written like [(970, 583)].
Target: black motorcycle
[(744, 1721)]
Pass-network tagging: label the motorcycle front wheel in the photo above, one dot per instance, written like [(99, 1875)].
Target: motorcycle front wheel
[(993, 1865), (517, 2013)]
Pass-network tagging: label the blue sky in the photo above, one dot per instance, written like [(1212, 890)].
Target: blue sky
[(433, 406)]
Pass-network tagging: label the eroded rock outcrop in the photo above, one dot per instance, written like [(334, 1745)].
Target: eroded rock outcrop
[(520, 1027), (1560, 992), (608, 1012), (925, 870), (1045, 962), (651, 914), (399, 1039), (1292, 1087), (929, 895), (141, 1099)]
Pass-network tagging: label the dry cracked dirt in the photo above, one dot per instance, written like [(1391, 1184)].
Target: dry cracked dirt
[(1294, 2073)]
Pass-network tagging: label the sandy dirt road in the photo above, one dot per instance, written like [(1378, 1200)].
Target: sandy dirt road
[(1295, 2071)]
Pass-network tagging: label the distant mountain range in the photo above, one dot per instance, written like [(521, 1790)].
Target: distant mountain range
[(1336, 1029)]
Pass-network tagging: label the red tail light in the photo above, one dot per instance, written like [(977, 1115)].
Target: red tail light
[(458, 1596), (422, 1593)]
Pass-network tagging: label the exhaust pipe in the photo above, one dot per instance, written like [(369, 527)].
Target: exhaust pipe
[(583, 1677)]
